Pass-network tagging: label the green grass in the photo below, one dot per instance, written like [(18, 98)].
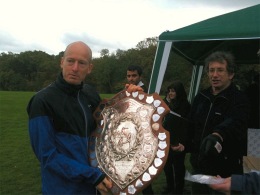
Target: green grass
[(19, 168)]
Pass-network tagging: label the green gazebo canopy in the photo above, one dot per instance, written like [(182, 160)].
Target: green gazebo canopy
[(237, 32)]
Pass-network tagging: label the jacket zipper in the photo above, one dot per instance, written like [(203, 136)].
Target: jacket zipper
[(206, 119), (85, 117), (211, 104)]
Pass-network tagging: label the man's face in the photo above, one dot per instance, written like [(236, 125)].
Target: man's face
[(133, 77), (75, 65), (219, 77)]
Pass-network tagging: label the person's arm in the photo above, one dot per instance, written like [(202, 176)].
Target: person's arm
[(222, 187), (42, 136), (231, 131), (235, 124), (248, 183)]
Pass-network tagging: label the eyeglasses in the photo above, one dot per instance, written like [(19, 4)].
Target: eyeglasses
[(217, 70)]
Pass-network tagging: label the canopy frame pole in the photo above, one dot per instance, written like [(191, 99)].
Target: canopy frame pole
[(160, 63), (195, 81)]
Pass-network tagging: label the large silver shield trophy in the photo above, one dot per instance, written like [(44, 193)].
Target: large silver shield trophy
[(129, 144)]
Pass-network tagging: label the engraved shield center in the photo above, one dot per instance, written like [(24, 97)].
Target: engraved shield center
[(127, 146)]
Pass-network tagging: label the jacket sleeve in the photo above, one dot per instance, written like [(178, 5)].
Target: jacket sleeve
[(249, 183), (52, 158)]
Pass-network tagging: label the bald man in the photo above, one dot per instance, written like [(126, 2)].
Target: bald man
[(60, 122)]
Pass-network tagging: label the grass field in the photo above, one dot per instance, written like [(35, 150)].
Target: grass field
[(18, 166), (19, 169)]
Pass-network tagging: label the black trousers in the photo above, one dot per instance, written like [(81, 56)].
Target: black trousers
[(225, 168), (148, 190), (174, 170), (198, 188)]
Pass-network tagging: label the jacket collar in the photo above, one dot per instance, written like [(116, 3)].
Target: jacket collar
[(225, 93), (140, 84), (66, 87)]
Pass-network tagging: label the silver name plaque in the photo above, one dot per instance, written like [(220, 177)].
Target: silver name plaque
[(129, 144)]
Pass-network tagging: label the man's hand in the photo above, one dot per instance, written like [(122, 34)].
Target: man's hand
[(222, 187), (133, 88), (210, 154), (211, 145), (104, 186)]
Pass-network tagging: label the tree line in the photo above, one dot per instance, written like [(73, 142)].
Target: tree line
[(33, 70)]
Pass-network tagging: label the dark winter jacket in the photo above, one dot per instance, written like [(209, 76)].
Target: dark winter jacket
[(60, 120), (177, 125), (227, 114)]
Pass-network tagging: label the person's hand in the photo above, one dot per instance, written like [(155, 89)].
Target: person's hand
[(222, 187), (104, 186), (178, 148), (210, 154), (211, 145), (133, 88)]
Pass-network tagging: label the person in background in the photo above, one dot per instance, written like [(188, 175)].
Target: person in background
[(176, 123), (217, 136), (60, 122), (134, 76), (248, 183)]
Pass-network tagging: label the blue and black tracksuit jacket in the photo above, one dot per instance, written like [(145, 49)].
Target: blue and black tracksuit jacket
[(60, 120)]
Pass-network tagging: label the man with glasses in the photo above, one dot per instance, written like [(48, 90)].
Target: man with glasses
[(217, 137)]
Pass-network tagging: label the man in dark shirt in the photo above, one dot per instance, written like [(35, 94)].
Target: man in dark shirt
[(134, 76)]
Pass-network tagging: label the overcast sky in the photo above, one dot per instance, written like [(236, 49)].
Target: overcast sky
[(49, 25)]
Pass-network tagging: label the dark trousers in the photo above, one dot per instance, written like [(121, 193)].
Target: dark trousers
[(148, 190), (198, 188), (174, 170), (224, 168)]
